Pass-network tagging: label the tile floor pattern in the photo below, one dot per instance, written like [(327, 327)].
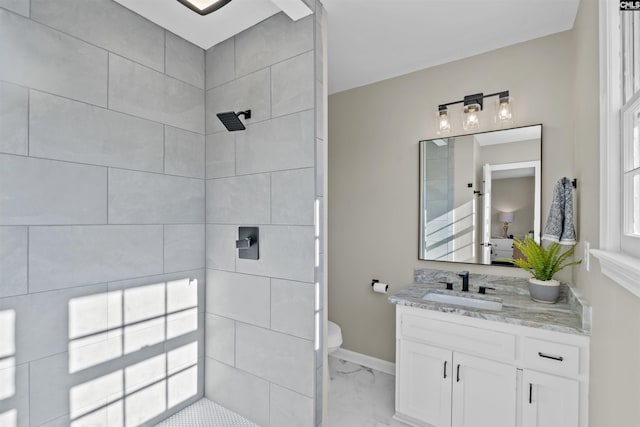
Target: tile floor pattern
[(205, 413), (358, 397)]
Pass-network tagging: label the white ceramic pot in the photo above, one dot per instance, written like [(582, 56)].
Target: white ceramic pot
[(545, 291)]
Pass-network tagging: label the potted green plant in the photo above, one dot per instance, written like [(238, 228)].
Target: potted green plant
[(543, 264)]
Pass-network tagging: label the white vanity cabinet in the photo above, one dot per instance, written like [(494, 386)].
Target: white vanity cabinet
[(549, 400), (456, 371), (441, 387)]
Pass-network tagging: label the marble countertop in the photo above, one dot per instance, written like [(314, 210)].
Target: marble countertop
[(571, 314)]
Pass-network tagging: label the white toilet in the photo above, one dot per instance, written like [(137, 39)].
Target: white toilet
[(334, 337)]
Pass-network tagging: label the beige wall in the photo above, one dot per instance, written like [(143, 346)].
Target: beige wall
[(373, 170), (615, 339), (513, 195)]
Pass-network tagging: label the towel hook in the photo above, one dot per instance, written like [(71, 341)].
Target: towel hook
[(574, 183)]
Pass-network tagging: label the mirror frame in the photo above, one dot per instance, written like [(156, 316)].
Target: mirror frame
[(421, 171)]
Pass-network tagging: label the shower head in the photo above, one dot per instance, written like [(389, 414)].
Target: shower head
[(231, 120)]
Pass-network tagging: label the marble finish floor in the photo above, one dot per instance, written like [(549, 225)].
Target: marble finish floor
[(360, 397)]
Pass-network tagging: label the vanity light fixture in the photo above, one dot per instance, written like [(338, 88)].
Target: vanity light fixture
[(472, 106), (504, 108), (204, 7), (444, 126)]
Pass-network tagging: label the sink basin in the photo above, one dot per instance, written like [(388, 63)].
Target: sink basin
[(482, 303)]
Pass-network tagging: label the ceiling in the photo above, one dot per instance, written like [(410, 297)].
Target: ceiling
[(373, 40), (209, 30)]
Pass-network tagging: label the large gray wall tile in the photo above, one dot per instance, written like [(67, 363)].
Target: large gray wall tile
[(140, 91), (220, 63), (278, 144), (13, 261), (107, 24), (221, 155), (149, 198), (68, 130), (285, 252), (238, 391), (51, 386), (47, 321), (84, 396), (14, 115), (239, 200), (17, 6), (292, 307), (292, 197), (38, 191), (14, 408), (221, 247), (292, 85), (185, 61), (271, 41), (238, 296), (61, 257), (252, 92), (183, 294), (184, 152), (184, 247), (221, 339), (41, 58), (282, 359), (290, 409)]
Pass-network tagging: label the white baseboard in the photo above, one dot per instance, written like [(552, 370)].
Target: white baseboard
[(364, 360)]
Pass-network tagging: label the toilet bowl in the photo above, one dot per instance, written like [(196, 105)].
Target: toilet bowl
[(334, 337)]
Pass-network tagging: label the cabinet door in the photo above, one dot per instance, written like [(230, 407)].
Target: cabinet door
[(484, 393), (549, 401), (424, 383)]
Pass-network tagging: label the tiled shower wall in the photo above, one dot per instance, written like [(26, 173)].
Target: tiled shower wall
[(102, 211), (262, 353)]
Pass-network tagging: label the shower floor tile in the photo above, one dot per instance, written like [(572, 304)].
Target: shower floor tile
[(205, 413)]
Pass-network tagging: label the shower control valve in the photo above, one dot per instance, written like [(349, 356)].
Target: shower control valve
[(243, 243)]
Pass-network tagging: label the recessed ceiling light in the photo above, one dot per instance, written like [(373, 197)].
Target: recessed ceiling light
[(204, 7)]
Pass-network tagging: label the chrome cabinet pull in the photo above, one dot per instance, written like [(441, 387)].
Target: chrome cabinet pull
[(549, 356)]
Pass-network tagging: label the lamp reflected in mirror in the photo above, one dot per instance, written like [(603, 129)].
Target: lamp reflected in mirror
[(506, 218)]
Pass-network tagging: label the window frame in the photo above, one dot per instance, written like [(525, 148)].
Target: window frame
[(618, 261)]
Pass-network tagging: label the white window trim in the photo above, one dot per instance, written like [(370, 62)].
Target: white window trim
[(622, 268)]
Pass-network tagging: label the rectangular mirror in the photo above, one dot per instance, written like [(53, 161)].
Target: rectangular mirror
[(477, 193)]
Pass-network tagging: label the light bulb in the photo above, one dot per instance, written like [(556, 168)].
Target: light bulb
[(504, 109), (444, 126), (471, 119)]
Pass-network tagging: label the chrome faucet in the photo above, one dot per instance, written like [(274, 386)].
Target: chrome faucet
[(465, 280)]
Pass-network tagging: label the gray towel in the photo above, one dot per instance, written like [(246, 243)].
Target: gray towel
[(559, 227)]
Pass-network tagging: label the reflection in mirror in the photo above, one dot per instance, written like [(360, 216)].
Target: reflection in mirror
[(477, 193)]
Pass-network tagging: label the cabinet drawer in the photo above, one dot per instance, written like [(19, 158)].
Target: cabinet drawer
[(502, 244), (552, 357), (453, 336)]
